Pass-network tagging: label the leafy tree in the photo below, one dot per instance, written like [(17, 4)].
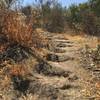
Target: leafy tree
[(7, 3), (44, 7), (46, 10), (26, 10), (74, 10), (95, 6), (56, 21), (73, 17)]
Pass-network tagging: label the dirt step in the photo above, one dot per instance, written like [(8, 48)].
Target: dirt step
[(64, 41), (59, 50), (64, 45), (60, 38), (69, 42), (57, 70), (50, 70)]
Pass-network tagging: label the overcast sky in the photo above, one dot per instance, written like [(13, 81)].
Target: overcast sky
[(63, 2)]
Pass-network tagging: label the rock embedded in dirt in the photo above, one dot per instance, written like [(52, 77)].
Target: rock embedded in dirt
[(58, 58), (3, 39), (68, 86), (20, 83), (52, 57)]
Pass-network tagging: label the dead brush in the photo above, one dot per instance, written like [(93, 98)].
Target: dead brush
[(2, 48), (14, 26), (39, 40), (19, 29), (18, 70)]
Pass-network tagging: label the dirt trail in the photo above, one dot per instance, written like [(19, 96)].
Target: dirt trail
[(72, 51), (60, 76), (79, 78)]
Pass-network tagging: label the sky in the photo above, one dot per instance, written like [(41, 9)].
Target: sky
[(69, 2), (66, 3)]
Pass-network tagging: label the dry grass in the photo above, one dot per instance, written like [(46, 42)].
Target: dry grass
[(92, 41)]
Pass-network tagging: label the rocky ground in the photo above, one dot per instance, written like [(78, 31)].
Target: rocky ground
[(61, 76)]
